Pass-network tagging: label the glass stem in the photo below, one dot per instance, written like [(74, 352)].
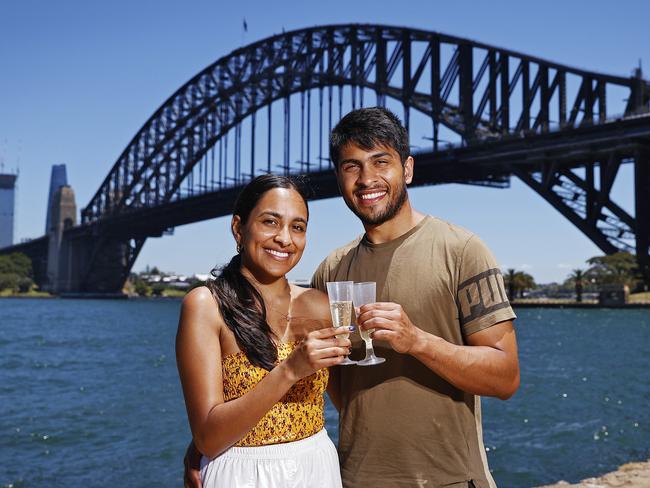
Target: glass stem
[(370, 352)]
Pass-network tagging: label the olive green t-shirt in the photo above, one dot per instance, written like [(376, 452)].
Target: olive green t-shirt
[(401, 424)]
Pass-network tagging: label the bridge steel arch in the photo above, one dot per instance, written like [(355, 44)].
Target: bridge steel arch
[(484, 94), (164, 151)]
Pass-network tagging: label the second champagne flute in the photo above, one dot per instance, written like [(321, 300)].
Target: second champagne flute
[(362, 294), (340, 297)]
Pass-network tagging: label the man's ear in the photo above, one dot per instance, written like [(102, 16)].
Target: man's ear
[(337, 174), (408, 169)]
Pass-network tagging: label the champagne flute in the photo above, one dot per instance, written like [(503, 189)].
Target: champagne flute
[(362, 294), (340, 297)]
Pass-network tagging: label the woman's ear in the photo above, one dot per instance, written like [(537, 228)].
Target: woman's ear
[(235, 227)]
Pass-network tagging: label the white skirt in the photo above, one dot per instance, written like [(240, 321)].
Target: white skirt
[(310, 462)]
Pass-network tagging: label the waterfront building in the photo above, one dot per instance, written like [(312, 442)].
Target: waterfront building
[(7, 205), (58, 178)]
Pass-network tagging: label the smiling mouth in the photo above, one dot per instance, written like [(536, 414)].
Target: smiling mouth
[(371, 197), (277, 254)]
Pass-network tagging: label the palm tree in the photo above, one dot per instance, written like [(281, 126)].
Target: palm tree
[(518, 282), (577, 276), (524, 282), (510, 279)]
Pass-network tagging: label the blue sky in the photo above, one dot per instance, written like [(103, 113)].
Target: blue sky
[(79, 78)]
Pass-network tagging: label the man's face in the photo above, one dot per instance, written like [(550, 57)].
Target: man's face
[(373, 182)]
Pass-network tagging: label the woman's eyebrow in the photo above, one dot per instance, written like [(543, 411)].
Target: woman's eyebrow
[(281, 217)]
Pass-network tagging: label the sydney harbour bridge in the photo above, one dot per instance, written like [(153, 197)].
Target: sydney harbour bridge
[(490, 114)]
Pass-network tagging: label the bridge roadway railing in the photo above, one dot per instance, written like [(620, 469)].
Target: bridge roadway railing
[(560, 167)]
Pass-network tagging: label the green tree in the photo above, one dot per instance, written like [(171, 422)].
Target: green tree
[(518, 282), (16, 263), (509, 278), (25, 285), (16, 272), (157, 289), (619, 268), (9, 281), (524, 282), (142, 288), (577, 277)]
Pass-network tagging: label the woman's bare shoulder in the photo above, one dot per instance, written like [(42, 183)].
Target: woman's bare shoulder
[(200, 306)]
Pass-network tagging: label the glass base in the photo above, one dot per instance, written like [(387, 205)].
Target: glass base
[(347, 362), (371, 361)]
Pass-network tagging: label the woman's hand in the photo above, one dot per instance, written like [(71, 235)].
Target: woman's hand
[(321, 349)]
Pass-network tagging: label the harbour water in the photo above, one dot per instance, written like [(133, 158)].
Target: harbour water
[(89, 395)]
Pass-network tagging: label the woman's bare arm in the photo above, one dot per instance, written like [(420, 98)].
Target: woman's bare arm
[(215, 424)]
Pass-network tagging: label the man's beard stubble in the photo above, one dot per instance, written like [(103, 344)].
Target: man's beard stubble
[(389, 212)]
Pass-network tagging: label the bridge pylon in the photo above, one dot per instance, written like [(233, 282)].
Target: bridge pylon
[(93, 263)]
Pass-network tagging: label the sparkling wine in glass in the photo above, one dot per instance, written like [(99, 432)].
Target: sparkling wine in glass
[(340, 297), (362, 294)]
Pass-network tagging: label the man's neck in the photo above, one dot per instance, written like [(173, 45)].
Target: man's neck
[(400, 224)]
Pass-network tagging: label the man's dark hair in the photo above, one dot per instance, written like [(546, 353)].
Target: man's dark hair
[(369, 128)]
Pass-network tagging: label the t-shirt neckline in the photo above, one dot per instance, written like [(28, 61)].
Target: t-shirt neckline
[(398, 240)]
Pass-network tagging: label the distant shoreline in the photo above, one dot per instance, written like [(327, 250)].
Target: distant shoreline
[(27, 295), (569, 304), (525, 303)]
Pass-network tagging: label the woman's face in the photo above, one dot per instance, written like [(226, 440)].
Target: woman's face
[(273, 238)]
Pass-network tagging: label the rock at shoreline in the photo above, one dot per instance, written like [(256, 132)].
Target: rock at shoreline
[(631, 475)]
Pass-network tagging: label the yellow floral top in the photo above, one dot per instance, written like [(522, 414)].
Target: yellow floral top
[(299, 414)]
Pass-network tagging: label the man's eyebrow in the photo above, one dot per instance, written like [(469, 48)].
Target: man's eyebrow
[(271, 213), (378, 155), (352, 160)]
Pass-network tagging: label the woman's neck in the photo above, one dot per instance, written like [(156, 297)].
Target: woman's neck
[(270, 289)]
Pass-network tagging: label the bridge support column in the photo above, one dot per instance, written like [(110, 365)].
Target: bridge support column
[(62, 216), (642, 209), (93, 265)]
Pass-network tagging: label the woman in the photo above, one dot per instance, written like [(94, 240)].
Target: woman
[(252, 353)]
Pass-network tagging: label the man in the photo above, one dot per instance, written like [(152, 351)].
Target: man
[(442, 321)]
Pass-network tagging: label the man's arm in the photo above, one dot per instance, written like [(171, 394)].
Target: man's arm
[(488, 365)]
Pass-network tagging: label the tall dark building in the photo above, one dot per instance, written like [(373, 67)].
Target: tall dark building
[(58, 178), (7, 205)]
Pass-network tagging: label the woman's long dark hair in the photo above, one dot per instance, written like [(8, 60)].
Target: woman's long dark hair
[(241, 304)]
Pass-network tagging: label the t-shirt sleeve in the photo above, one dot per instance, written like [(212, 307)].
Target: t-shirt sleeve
[(481, 294), (320, 277)]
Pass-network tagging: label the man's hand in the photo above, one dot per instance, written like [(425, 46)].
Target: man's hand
[(192, 463), (390, 324)]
